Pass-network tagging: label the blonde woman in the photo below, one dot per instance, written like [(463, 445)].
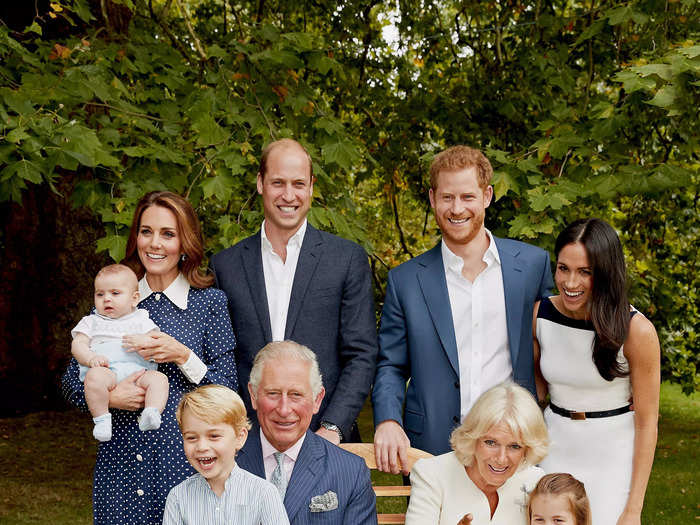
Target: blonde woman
[(491, 471)]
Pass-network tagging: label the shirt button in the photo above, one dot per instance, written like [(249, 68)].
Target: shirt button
[(139, 457), (455, 419), (157, 297), (139, 492)]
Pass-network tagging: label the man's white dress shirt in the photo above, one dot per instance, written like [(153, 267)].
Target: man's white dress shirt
[(279, 278), (290, 456), (479, 319)]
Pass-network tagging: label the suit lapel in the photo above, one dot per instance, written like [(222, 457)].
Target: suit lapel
[(305, 476), (309, 257), (252, 265), (514, 292), (434, 288), (250, 456)]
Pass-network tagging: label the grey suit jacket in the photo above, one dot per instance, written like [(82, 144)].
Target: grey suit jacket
[(331, 310), (320, 468)]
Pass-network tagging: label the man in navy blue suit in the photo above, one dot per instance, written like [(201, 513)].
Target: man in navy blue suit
[(457, 319), (318, 482), (292, 281)]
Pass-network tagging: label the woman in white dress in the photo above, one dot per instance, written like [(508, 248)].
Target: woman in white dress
[(599, 360), (488, 477)]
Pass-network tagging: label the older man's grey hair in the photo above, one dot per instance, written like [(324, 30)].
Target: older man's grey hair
[(286, 350)]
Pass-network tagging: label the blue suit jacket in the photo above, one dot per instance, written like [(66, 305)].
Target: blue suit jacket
[(320, 467), (331, 310), (417, 340)]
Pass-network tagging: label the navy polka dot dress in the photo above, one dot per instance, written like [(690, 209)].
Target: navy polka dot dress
[(136, 470)]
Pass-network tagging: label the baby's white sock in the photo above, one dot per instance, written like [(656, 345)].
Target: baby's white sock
[(103, 427), (149, 419)]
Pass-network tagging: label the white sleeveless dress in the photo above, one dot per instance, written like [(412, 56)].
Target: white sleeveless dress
[(599, 451)]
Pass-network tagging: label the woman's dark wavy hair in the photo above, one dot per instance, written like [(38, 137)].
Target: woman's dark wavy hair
[(608, 307), (191, 243)]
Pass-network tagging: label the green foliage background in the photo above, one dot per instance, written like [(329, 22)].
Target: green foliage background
[(584, 108)]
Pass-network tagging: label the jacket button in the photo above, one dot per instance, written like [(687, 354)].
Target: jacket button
[(457, 384), (455, 419)]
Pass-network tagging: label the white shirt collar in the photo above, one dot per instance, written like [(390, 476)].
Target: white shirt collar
[(292, 452), (296, 239), (455, 263), (177, 292)]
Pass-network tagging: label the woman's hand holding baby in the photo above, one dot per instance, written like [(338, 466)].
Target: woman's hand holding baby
[(158, 347), (128, 395), (98, 360)]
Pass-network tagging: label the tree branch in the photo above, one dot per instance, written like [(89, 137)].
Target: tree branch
[(166, 29), (402, 239), (188, 23)]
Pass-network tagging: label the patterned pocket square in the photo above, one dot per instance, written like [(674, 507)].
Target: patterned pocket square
[(324, 502)]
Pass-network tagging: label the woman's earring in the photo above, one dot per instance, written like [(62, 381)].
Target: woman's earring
[(183, 257)]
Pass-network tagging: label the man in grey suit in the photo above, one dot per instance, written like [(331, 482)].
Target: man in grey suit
[(292, 281), (318, 482)]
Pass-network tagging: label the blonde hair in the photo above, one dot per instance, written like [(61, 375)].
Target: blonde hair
[(459, 158), (511, 405), (117, 269), (561, 484), (281, 350), (214, 404)]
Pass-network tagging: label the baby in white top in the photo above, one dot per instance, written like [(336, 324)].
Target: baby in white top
[(97, 346)]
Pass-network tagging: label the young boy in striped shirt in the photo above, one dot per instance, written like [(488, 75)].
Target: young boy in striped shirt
[(214, 427)]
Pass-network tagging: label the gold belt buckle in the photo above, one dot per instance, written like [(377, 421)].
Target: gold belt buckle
[(580, 416)]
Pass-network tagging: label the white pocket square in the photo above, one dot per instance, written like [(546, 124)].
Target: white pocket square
[(324, 502)]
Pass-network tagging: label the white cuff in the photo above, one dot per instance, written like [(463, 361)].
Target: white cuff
[(194, 368)]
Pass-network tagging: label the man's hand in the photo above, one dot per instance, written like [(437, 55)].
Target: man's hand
[(329, 435), (128, 395), (390, 447), (98, 360), (466, 520)]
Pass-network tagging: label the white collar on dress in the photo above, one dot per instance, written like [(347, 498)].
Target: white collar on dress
[(177, 292)]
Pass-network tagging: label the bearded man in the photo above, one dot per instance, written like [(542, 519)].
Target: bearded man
[(457, 319)]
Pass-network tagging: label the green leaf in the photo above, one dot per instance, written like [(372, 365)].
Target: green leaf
[(619, 15), (220, 186), (540, 199), (24, 169), (34, 28), (114, 244), (503, 182), (662, 70), (215, 51), (17, 135), (208, 131), (343, 153), (591, 31), (665, 97)]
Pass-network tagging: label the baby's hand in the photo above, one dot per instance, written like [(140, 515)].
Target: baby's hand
[(98, 360), (135, 342)]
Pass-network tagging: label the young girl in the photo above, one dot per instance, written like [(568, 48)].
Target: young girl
[(559, 499)]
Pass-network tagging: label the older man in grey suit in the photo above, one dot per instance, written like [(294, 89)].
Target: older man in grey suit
[(292, 281)]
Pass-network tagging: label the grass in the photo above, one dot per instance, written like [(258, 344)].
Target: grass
[(46, 462)]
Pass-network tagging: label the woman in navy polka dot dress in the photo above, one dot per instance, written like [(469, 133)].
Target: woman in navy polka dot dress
[(136, 470)]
